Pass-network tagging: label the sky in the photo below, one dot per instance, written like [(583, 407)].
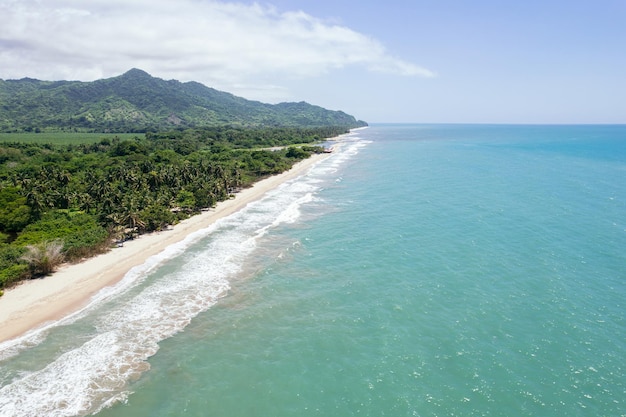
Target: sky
[(421, 61)]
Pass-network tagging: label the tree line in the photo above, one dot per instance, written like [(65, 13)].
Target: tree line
[(67, 202)]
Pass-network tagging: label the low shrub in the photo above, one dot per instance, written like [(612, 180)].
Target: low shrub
[(43, 258)]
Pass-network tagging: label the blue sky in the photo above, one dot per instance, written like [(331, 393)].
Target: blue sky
[(394, 61)]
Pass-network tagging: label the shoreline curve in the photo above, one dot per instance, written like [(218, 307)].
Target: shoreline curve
[(35, 303)]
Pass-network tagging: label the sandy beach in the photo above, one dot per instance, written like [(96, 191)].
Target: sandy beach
[(37, 302)]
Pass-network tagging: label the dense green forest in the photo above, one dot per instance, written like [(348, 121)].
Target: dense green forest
[(137, 102), (64, 202)]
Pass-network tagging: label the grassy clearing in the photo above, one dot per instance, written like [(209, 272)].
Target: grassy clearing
[(64, 138)]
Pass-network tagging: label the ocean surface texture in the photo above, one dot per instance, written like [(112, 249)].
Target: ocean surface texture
[(421, 270)]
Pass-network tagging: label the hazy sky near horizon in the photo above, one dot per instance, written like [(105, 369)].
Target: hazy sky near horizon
[(447, 61)]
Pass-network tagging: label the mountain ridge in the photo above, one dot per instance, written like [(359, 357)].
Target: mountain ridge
[(137, 102)]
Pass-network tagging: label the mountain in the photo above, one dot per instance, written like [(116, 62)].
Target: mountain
[(136, 102)]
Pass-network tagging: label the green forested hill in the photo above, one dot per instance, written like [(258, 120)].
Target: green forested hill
[(138, 102)]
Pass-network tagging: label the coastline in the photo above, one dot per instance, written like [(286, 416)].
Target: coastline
[(32, 304)]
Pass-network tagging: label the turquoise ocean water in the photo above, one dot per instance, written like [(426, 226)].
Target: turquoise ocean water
[(421, 270)]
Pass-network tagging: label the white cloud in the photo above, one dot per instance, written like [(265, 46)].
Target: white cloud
[(224, 45)]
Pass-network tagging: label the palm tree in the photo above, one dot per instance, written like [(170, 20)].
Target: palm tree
[(35, 199), (21, 179), (236, 175), (154, 179), (64, 198), (99, 188), (135, 221), (131, 212), (63, 177), (85, 202)]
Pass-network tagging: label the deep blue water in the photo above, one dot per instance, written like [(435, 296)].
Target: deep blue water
[(421, 270)]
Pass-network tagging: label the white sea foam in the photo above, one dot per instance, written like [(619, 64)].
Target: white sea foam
[(292, 212), (131, 279), (127, 329)]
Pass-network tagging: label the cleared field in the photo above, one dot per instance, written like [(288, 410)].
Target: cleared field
[(64, 138)]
